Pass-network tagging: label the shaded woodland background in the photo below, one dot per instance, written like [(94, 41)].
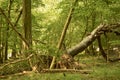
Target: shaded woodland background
[(57, 35)]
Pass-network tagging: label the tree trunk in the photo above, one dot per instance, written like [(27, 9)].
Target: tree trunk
[(7, 30), (90, 38), (1, 47), (66, 25), (27, 25), (101, 49)]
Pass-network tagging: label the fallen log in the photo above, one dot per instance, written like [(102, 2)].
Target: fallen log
[(101, 29), (66, 70)]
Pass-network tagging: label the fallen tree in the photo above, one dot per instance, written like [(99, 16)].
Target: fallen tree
[(67, 59), (101, 29)]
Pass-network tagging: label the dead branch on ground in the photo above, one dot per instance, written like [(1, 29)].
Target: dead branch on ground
[(66, 70)]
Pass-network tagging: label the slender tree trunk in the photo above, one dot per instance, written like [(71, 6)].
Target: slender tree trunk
[(66, 25), (7, 31), (101, 49), (0, 41), (6, 46), (27, 25), (1, 47)]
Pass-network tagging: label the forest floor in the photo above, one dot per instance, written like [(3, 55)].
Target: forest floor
[(101, 70)]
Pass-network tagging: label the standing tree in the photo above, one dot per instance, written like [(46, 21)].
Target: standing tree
[(27, 24), (1, 48), (7, 30)]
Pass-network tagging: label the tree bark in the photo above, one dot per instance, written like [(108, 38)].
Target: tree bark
[(27, 25), (92, 37)]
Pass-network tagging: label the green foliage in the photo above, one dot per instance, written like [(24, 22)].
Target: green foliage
[(3, 4), (37, 3)]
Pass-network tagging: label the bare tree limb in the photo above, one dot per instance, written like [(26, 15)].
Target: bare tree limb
[(18, 17), (66, 25)]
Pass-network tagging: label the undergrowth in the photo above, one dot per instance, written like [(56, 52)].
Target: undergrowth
[(101, 71)]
